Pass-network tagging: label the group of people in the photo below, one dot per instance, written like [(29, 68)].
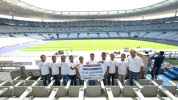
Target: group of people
[(132, 66)]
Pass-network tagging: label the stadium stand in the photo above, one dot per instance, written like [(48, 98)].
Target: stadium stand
[(20, 78), (83, 35), (93, 35), (103, 35), (73, 36), (113, 35)]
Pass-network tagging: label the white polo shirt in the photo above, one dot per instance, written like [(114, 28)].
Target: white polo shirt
[(73, 65), (122, 67), (44, 66), (64, 68), (112, 68), (105, 65), (135, 63), (80, 67), (92, 62), (55, 68)]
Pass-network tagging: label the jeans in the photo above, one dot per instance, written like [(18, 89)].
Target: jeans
[(46, 78), (57, 80), (73, 80), (81, 82), (65, 79), (122, 78), (155, 72), (133, 75), (104, 80), (92, 82), (111, 75)]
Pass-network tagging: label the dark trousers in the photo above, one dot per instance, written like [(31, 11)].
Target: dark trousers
[(65, 79), (111, 75), (155, 72), (133, 75), (81, 82), (46, 78), (92, 82), (57, 80), (73, 80), (104, 80)]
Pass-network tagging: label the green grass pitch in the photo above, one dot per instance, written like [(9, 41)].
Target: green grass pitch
[(97, 44)]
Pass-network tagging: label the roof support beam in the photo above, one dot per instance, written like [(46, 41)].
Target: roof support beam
[(176, 12)]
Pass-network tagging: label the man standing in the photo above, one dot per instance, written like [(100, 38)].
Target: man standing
[(72, 71), (112, 69), (79, 68), (122, 68), (157, 64), (135, 64), (64, 70), (92, 61), (56, 70), (106, 67), (148, 64), (44, 70)]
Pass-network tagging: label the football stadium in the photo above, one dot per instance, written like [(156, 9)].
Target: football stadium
[(88, 49)]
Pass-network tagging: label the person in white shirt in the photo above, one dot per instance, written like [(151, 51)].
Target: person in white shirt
[(112, 69), (44, 70), (55, 68), (79, 67), (72, 70), (121, 69), (106, 66), (92, 61), (64, 70), (135, 64)]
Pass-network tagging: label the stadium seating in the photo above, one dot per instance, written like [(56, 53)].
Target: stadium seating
[(93, 35), (83, 35), (33, 89), (103, 35), (123, 34), (113, 35), (73, 36), (63, 36)]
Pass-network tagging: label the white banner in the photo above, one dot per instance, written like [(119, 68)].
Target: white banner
[(92, 72)]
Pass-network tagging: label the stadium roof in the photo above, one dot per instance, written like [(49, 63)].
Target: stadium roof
[(86, 9)]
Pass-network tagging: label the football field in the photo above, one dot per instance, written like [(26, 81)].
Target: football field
[(96, 44)]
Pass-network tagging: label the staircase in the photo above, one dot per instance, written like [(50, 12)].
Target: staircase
[(145, 34), (172, 73)]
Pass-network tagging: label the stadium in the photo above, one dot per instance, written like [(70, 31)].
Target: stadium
[(75, 29)]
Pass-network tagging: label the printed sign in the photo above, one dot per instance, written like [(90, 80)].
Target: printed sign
[(92, 72)]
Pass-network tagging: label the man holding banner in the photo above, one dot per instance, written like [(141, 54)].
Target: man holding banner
[(79, 69), (106, 66), (90, 63)]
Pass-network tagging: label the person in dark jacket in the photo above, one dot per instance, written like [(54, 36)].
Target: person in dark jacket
[(157, 63)]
